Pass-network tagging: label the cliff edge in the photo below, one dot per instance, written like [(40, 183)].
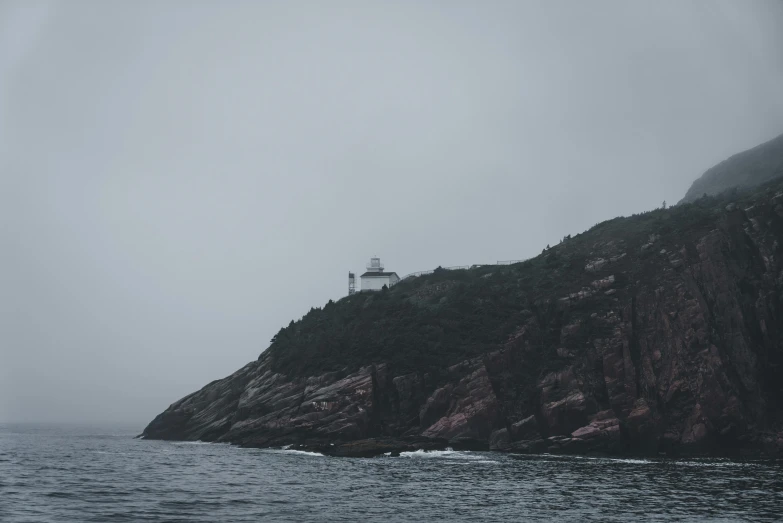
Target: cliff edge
[(657, 333)]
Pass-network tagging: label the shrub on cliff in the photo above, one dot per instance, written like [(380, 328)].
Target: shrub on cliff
[(433, 321)]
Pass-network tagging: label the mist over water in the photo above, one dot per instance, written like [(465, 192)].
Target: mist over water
[(51, 473)]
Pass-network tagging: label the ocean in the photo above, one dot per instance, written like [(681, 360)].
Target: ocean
[(80, 474)]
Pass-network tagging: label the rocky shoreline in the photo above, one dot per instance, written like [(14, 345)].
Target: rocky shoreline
[(765, 446), (667, 344)]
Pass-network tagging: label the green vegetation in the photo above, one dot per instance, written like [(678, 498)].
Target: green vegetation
[(433, 321)]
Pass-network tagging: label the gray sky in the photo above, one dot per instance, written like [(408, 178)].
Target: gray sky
[(180, 179)]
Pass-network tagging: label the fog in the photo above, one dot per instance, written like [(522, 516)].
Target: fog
[(178, 180)]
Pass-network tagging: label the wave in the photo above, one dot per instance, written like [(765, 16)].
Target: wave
[(572, 457), (286, 450), (449, 453), (692, 462), (631, 460), (197, 442), (718, 462)]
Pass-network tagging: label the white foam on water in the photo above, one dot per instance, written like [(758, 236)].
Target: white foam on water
[(705, 462), (198, 442), (287, 450), (443, 454), (631, 460), (304, 453), (714, 463), (568, 457)]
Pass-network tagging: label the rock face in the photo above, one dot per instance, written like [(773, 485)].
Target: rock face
[(685, 355), (746, 169)]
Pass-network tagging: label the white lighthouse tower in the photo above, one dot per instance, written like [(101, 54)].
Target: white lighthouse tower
[(375, 277)]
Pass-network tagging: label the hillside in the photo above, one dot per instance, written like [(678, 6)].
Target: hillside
[(660, 332), (744, 170)]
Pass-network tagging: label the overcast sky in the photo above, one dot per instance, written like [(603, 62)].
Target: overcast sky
[(180, 179)]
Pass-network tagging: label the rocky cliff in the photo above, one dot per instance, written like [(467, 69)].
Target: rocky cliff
[(662, 332), (743, 170)]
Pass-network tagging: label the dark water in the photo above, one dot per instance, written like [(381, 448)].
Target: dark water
[(89, 474)]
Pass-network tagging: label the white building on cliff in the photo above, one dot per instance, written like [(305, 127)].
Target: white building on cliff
[(375, 277)]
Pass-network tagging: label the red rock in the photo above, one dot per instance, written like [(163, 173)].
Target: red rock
[(683, 360)]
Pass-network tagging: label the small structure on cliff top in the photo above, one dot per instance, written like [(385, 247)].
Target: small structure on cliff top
[(375, 277)]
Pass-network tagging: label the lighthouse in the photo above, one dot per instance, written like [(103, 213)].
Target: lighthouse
[(376, 277)]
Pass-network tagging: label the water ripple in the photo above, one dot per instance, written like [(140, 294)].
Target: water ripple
[(56, 474)]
